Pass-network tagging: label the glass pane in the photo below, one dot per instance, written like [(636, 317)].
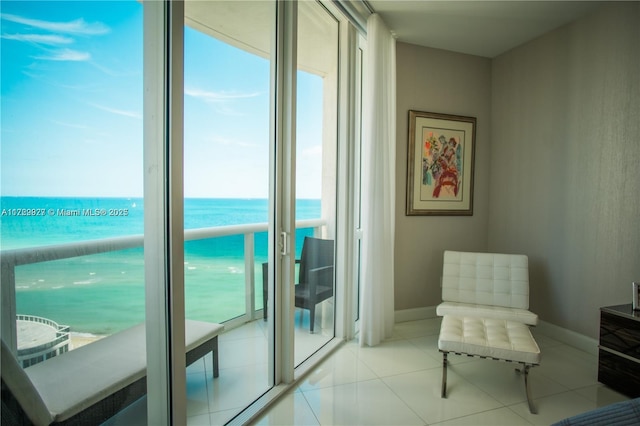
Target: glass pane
[(226, 146), (316, 159), (71, 178), (358, 177)]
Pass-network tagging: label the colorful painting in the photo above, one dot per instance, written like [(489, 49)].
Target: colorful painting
[(440, 166)]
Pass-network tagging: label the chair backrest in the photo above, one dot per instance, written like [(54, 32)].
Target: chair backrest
[(22, 389), (486, 279), (316, 253)]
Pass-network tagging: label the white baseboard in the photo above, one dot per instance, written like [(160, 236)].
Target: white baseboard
[(569, 337), (415, 314)]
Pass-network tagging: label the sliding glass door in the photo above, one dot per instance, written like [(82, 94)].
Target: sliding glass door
[(178, 162), (227, 107), (260, 187), (316, 178)]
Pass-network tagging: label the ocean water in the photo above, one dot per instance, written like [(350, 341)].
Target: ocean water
[(104, 293)]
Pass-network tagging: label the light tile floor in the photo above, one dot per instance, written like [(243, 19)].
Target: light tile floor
[(399, 381), (243, 373)]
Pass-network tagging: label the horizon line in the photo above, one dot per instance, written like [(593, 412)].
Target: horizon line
[(119, 197)]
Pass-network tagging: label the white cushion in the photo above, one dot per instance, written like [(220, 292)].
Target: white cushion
[(493, 338), (198, 332), (78, 379), (22, 389), (486, 311), (486, 279)]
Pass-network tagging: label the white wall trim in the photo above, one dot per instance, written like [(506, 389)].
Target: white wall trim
[(564, 335), (569, 337), (415, 314)]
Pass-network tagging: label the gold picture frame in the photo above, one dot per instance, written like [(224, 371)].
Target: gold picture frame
[(440, 162)]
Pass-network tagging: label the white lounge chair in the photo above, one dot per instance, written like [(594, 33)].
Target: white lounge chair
[(92, 383), (485, 310)]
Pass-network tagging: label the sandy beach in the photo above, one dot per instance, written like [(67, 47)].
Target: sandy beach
[(81, 339)]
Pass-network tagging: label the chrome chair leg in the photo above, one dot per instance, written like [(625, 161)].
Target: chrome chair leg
[(525, 371), (444, 375)]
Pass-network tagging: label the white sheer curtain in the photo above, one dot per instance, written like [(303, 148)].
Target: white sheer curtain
[(378, 184)]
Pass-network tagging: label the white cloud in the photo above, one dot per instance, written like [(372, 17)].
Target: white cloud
[(49, 39), (132, 114), (65, 55), (118, 73), (78, 26), (217, 96), (71, 125), (221, 100), (75, 27)]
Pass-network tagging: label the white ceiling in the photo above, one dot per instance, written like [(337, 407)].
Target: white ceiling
[(248, 25), (482, 28)]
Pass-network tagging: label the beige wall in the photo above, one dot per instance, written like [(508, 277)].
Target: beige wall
[(557, 172), (565, 164), (450, 83)]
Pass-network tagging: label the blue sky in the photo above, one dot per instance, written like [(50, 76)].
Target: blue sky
[(71, 107)]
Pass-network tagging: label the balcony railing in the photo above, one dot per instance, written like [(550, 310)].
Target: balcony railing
[(25, 256)]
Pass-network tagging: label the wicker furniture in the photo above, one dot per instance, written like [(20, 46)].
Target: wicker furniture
[(92, 383)]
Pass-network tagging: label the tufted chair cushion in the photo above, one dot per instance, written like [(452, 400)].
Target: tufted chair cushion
[(490, 338), (486, 285)]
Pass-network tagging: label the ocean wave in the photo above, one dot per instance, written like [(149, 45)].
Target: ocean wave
[(85, 335), (84, 282)]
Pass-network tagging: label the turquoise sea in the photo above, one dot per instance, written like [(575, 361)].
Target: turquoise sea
[(104, 293)]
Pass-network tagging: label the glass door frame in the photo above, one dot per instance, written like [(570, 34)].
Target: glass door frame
[(281, 255), (164, 210)]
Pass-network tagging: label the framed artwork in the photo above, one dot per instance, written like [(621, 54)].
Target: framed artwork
[(440, 164)]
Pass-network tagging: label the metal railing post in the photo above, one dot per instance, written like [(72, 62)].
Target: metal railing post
[(8, 303), (249, 275)]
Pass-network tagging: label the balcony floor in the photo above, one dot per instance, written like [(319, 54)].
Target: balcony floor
[(243, 364)]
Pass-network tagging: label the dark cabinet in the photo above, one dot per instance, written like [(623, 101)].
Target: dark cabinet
[(619, 349)]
